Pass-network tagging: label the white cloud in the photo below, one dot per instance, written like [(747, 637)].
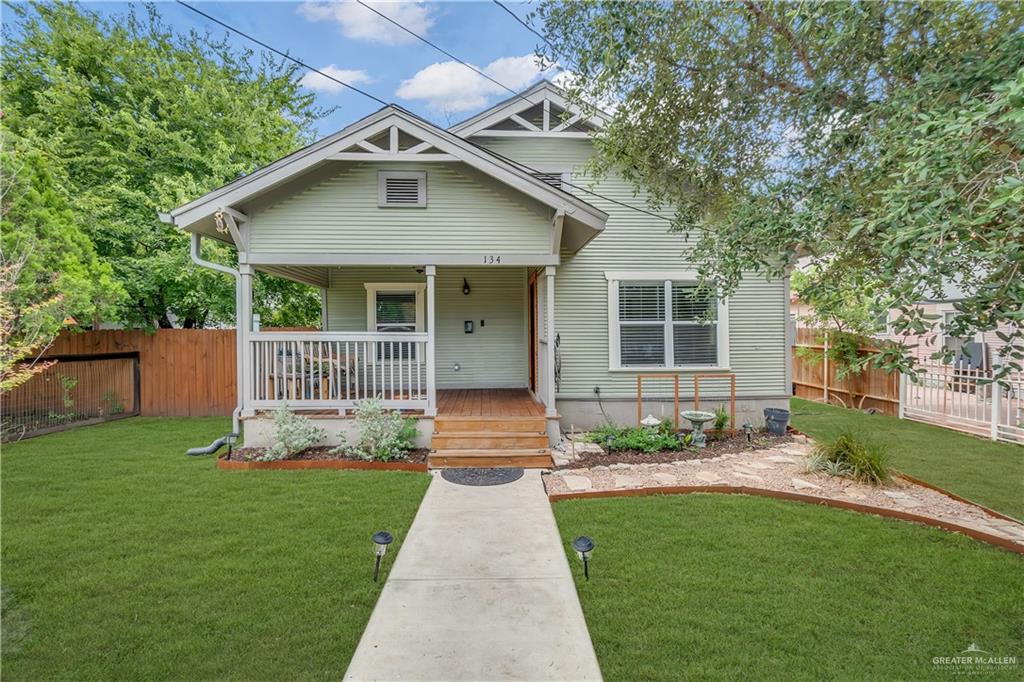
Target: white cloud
[(452, 87), (314, 81), (359, 22)]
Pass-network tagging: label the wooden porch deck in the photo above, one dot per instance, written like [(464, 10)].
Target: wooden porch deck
[(487, 402)]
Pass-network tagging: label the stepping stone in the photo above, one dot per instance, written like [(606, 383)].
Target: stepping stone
[(749, 477), (781, 459), (626, 482), (855, 495), (1007, 527), (801, 484), (745, 469), (710, 477), (895, 494), (693, 462), (760, 466), (907, 502), (577, 484), (664, 479), (599, 467), (618, 466)]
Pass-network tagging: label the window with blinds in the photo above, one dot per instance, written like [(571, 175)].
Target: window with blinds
[(395, 312), (398, 189), (666, 324)]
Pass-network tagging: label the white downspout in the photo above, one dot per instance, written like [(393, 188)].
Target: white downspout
[(239, 336)]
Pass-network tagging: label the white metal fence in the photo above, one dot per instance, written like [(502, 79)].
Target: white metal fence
[(966, 400), (337, 369)]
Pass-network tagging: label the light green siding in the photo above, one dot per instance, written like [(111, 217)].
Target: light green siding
[(466, 212), (634, 241), (493, 356)]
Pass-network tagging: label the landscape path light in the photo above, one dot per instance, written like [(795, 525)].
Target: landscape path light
[(584, 546), (381, 540)]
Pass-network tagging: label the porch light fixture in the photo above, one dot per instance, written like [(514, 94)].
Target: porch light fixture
[(465, 287), (381, 540), (584, 546)]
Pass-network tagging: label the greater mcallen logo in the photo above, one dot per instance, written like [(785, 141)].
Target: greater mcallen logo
[(974, 661)]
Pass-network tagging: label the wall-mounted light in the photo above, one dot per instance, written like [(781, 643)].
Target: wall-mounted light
[(381, 540), (584, 546), (465, 287)]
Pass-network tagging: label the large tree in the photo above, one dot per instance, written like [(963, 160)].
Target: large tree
[(138, 119), (882, 140)]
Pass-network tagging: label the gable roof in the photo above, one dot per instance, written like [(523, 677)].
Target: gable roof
[(544, 94), (353, 143)]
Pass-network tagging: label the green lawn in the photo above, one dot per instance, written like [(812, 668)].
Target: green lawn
[(123, 559), (729, 587), (986, 472)]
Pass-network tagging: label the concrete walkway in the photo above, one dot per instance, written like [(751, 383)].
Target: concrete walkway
[(481, 590)]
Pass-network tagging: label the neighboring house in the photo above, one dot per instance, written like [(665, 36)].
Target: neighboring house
[(473, 258)]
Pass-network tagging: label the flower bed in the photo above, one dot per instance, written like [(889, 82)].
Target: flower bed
[(320, 458)]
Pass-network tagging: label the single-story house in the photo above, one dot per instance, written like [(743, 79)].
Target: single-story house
[(477, 278)]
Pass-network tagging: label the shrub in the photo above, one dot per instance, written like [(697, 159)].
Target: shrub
[(293, 433), (383, 434), (722, 418), (854, 456), (636, 438)]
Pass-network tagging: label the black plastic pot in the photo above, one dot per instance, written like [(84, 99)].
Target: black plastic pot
[(775, 420)]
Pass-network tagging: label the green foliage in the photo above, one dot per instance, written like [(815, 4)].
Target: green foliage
[(293, 433), (880, 139), (852, 455), (638, 438), (384, 435), (131, 119), (722, 418)]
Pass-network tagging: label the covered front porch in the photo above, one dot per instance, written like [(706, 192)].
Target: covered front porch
[(427, 340)]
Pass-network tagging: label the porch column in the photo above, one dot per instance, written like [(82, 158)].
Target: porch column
[(243, 327), (549, 375), (431, 272)]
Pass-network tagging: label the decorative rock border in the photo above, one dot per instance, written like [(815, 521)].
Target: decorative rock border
[(998, 541), (298, 464)]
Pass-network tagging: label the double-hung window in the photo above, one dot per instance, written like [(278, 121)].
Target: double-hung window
[(394, 308), (664, 323)]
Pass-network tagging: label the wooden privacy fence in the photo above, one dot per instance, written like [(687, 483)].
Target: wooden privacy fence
[(814, 378), (182, 372)]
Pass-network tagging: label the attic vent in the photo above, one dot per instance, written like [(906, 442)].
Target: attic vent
[(402, 189), (553, 179)]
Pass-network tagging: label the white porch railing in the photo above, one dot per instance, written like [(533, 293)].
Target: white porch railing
[(966, 400), (334, 370)]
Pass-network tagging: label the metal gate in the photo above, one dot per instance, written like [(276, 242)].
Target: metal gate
[(76, 390), (966, 400)]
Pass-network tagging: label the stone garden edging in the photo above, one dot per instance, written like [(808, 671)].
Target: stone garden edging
[(241, 465), (990, 538)]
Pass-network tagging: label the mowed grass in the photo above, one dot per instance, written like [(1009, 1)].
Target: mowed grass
[(729, 587), (980, 470), (123, 559)]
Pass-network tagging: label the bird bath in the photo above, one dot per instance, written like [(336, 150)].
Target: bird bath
[(698, 418)]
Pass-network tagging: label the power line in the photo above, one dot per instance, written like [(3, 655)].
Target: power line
[(442, 50), (279, 52), (522, 166), (529, 28)]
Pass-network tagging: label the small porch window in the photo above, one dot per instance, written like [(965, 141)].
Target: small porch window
[(394, 308)]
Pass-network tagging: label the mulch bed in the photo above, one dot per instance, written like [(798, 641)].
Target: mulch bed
[(716, 447), (323, 454)]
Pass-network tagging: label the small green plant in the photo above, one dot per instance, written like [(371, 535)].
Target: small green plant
[(293, 433), (722, 418), (67, 384), (642, 439), (853, 456), (384, 435), (114, 406)]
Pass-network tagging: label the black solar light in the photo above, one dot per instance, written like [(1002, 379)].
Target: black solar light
[(381, 540), (230, 439), (749, 430), (584, 546)]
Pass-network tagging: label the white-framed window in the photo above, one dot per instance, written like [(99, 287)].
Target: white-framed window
[(402, 189), (395, 308), (660, 320)]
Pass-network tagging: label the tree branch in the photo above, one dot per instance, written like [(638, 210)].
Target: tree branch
[(785, 32)]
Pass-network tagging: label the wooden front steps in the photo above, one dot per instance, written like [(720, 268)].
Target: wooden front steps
[(490, 442)]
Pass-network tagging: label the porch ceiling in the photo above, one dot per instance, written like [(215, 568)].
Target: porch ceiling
[(313, 275)]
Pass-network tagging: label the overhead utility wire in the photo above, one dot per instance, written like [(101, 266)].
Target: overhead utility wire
[(529, 28), (528, 169), (279, 52)]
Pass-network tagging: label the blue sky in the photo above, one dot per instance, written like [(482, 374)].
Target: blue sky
[(359, 46)]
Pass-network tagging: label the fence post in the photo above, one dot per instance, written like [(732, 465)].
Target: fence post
[(903, 396), (997, 395)]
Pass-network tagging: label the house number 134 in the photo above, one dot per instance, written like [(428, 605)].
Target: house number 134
[(492, 260)]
